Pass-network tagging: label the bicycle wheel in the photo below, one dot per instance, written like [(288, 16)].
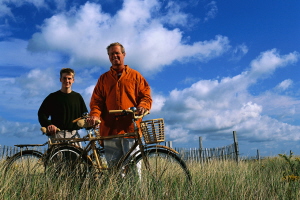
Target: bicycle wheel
[(67, 161), (165, 169), (27, 162)]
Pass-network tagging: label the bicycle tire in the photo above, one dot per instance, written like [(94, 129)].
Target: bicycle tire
[(67, 161), (28, 162), (166, 168)]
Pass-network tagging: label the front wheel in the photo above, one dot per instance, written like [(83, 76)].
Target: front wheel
[(27, 162), (161, 168), (67, 161)]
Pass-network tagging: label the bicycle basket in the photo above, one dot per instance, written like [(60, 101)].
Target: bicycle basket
[(153, 130)]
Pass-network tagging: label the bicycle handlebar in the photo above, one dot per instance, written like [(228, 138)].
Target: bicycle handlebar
[(44, 130), (81, 123), (129, 111)]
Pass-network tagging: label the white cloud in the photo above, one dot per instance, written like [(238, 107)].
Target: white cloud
[(175, 16), (212, 106), (284, 85), (12, 128), (267, 129), (22, 96), (5, 9), (239, 51), (206, 108), (14, 53), (37, 82), (267, 62), (60, 4), (84, 34), (159, 100), (212, 11), (177, 134)]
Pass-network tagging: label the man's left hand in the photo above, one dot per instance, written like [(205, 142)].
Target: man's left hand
[(141, 110)]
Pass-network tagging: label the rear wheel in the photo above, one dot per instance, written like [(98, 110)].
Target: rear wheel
[(27, 162)]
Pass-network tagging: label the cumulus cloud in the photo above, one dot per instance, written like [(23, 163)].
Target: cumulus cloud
[(136, 26), (18, 129), (267, 62), (215, 106), (159, 100), (37, 82), (78, 37)]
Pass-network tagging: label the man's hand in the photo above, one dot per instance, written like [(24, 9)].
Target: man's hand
[(141, 110), (91, 121), (51, 129)]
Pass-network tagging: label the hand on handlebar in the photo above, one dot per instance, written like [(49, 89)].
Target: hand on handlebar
[(50, 130), (141, 110), (92, 121)]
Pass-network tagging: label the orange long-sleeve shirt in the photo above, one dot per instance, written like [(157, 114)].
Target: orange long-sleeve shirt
[(113, 93)]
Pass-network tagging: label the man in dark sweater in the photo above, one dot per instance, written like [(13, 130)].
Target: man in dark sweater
[(62, 106)]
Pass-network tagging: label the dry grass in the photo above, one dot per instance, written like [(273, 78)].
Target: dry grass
[(214, 180)]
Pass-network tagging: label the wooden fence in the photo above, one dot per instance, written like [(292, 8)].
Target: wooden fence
[(8, 151), (188, 154), (229, 152), (207, 154)]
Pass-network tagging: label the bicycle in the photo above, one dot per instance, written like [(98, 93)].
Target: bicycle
[(34, 162), (159, 163)]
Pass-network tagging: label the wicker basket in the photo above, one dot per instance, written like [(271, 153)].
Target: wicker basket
[(153, 130)]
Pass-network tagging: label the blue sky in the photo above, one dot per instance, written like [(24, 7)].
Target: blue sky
[(214, 66)]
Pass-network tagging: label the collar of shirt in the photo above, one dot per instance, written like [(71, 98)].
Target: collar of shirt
[(114, 72)]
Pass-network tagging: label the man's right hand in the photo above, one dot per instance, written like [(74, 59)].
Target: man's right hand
[(51, 129), (91, 121)]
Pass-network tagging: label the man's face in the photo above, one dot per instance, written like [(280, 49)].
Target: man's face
[(66, 80), (116, 56)]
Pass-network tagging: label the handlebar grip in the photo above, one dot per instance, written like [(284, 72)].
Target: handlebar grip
[(129, 111), (143, 115), (76, 120), (119, 111), (82, 123), (44, 129)]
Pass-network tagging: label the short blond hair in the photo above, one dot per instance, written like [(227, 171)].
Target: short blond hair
[(115, 44)]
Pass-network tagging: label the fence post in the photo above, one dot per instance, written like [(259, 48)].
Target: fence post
[(258, 155), (169, 144), (200, 149), (236, 146)]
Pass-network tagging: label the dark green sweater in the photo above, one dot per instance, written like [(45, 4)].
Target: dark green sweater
[(63, 108)]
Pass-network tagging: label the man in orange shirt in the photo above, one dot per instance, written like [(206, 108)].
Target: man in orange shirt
[(118, 89)]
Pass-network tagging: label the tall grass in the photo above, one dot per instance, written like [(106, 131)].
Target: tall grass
[(265, 179)]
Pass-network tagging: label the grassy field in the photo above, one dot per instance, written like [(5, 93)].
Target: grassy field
[(271, 178)]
